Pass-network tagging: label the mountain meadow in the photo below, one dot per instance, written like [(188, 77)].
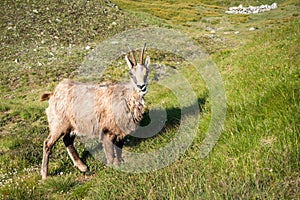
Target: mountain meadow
[(257, 56)]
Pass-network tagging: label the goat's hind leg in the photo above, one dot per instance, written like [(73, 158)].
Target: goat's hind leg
[(109, 148), (48, 144), (69, 143), (118, 148)]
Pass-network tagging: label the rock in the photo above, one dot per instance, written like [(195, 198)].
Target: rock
[(87, 47), (274, 6), (251, 9), (252, 29), (210, 29), (212, 36)]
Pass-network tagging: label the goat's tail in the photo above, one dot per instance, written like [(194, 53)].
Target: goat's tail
[(46, 96)]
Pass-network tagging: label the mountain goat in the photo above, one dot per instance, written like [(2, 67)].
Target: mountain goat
[(107, 111)]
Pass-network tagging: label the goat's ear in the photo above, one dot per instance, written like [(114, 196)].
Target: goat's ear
[(129, 63), (147, 62)]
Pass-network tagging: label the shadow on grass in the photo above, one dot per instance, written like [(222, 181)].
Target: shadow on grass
[(172, 121)]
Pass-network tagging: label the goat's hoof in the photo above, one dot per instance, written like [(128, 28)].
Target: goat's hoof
[(87, 172), (82, 168), (108, 163), (118, 161), (44, 175)]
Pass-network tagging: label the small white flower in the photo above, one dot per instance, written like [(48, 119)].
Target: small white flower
[(35, 11), (270, 169)]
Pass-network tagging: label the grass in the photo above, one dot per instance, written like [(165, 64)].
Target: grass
[(257, 155)]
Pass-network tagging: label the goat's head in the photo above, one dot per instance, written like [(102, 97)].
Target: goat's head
[(139, 71)]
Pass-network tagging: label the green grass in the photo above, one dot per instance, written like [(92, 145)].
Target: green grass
[(257, 155)]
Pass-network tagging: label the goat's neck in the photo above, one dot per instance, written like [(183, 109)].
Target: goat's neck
[(136, 105)]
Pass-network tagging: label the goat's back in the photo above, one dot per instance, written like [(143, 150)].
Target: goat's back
[(91, 109)]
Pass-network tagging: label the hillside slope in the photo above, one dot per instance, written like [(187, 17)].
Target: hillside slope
[(257, 155)]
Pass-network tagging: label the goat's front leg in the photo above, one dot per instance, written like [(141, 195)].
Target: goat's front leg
[(69, 143), (118, 148), (48, 144), (108, 148)]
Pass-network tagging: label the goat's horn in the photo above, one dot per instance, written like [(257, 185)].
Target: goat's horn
[(142, 54), (132, 55)]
